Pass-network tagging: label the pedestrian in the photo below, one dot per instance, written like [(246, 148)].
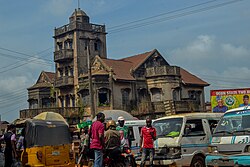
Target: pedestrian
[(97, 139), (10, 149), (112, 139), (84, 146), (148, 135), (20, 142), (124, 132)]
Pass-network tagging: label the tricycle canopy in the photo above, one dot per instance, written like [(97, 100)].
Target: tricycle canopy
[(46, 133)]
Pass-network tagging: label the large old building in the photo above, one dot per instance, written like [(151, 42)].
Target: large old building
[(143, 84)]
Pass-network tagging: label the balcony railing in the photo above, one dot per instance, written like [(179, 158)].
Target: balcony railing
[(63, 55), (162, 70), (71, 114), (158, 107), (186, 106), (64, 81), (79, 26), (168, 107)]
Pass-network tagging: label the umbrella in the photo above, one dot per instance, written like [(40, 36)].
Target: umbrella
[(50, 116), (114, 114), (19, 122)]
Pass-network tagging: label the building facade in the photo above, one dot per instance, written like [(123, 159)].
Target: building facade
[(143, 84), (72, 44)]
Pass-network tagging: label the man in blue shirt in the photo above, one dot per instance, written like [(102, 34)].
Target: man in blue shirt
[(220, 106), (245, 101)]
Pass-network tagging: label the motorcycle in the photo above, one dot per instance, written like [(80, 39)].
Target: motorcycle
[(120, 159), (114, 159), (129, 158)]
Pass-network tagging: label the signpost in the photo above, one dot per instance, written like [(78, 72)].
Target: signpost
[(230, 98)]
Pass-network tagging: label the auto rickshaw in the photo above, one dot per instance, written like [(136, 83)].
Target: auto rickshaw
[(47, 142)]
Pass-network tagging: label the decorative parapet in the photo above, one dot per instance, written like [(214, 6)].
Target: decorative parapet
[(163, 70), (187, 106), (66, 112), (64, 81), (63, 55), (79, 26)]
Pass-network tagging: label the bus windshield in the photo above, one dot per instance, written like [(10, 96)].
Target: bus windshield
[(235, 122), (168, 127)]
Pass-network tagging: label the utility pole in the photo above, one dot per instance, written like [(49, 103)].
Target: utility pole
[(92, 106)]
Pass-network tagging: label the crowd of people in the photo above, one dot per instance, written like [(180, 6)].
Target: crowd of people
[(101, 137), (111, 138)]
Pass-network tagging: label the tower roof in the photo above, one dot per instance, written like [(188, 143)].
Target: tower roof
[(79, 12), (79, 16)]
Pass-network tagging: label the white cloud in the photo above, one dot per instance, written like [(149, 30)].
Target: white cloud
[(207, 52), (13, 82), (223, 65), (203, 43), (235, 52), (199, 49)]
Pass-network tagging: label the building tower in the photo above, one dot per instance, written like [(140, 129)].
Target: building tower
[(70, 56)]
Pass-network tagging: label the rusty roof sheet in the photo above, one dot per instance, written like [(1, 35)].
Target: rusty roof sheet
[(41, 85), (122, 69), (188, 78), (45, 83), (138, 59), (51, 75)]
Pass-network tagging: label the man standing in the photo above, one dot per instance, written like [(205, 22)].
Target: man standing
[(124, 131), (148, 135), (245, 101), (97, 139), (10, 148), (112, 139)]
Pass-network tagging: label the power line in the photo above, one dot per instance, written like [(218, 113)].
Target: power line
[(15, 92), (162, 14), (11, 110), (12, 96), (172, 17), (23, 59), (16, 67), (225, 77), (27, 60), (225, 80), (27, 55), (13, 103)]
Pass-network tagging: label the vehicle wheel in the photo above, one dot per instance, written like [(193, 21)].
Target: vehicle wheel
[(198, 161), (130, 162)]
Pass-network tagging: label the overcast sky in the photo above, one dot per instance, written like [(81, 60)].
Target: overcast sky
[(209, 38)]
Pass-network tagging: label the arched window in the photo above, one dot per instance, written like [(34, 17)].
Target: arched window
[(97, 45), (103, 96), (61, 101), (85, 96), (156, 94), (125, 96), (175, 95), (143, 94), (67, 101), (33, 103), (45, 102)]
